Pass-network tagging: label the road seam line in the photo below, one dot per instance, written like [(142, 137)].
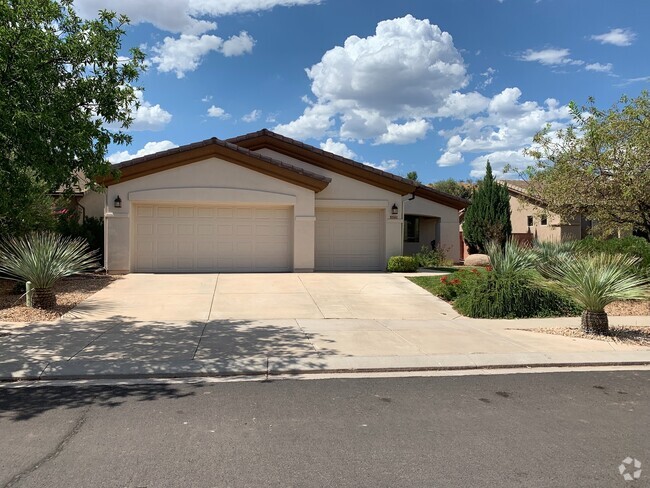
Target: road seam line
[(205, 326)]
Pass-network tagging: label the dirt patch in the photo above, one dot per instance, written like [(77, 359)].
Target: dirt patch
[(622, 334), (630, 307), (69, 292)]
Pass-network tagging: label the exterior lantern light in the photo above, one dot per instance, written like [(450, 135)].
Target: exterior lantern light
[(117, 203), (394, 209)]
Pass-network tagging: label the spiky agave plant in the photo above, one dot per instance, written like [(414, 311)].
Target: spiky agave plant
[(549, 250), (511, 258), (44, 258), (594, 281)]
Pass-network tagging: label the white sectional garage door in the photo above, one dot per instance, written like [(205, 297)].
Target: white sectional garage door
[(185, 238), (349, 239)]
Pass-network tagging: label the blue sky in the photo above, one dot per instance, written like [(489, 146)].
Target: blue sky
[(436, 87)]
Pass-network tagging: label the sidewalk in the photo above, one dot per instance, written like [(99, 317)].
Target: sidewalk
[(120, 347)]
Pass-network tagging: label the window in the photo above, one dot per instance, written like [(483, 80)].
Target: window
[(530, 220), (544, 220), (411, 228)]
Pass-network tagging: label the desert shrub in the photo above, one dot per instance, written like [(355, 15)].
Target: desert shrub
[(43, 258), (632, 246), (596, 280), (450, 287), (552, 250), (402, 264), (430, 258), (512, 257), (91, 229), (513, 295)]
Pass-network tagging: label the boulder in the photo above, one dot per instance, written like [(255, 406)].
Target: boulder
[(477, 260)]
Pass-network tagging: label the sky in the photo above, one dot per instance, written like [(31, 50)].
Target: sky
[(432, 86)]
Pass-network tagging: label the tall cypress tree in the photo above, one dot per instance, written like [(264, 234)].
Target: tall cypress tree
[(488, 217)]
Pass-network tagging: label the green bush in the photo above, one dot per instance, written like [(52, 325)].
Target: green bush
[(402, 264), (430, 258), (513, 295), (91, 229), (632, 246), (450, 287)]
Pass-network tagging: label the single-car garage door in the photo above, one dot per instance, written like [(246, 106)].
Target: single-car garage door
[(349, 239), (186, 238)]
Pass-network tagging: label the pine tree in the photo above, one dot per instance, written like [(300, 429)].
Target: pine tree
[(488, 217)]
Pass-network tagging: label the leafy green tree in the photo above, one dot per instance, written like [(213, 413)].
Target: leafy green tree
[(598, 167), (487, 219), (413, 176), (462, 189), (66, 93)]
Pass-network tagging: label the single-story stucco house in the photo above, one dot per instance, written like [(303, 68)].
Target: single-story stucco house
[(531, 221), (263, 202)]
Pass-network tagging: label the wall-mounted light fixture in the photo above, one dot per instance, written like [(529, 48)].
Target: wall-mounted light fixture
[(394, 210), (117, 203)]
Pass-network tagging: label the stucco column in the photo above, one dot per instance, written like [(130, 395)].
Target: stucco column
[(117, 242), (304, 239), (394, 237)]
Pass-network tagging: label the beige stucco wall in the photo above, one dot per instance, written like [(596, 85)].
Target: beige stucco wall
[(93, 203), (345, 192), (554, 230), (446, 231), (212, 181)]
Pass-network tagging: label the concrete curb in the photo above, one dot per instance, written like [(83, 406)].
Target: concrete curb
[(263, 366)]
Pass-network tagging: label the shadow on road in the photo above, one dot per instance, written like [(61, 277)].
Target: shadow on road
[(19, 404)]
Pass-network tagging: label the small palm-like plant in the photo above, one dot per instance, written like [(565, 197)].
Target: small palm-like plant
[(511, 258), (44, 258), (549, 250), (594, 281)]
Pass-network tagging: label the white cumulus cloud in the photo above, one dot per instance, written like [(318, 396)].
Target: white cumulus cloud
[(550, 57), (252, 116), (184, 53), (616, 37), (337, 147), (147, 116), (382, 87), (238, 45), (340, 148), (602, 68), (501, 132), (218, 112), (181, 16), (149, 148)]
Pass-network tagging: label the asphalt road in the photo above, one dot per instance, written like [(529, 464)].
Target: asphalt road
[(524, 430)]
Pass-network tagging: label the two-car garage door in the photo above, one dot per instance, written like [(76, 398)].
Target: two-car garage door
[(193, 238), (186, 238)]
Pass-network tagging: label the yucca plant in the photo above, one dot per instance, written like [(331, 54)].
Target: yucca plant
[(549, 250), (511, 258), (44, 258), (594, 281)]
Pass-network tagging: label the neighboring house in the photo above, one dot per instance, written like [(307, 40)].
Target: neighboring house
[(262, 203), (531, 221)]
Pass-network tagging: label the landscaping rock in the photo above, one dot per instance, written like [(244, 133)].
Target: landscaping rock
[(477, 260)]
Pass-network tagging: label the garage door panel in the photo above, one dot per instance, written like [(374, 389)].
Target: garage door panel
[(208, 239), (349, 239)]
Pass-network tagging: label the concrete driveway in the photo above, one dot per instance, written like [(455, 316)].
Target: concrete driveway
[(200, 297)]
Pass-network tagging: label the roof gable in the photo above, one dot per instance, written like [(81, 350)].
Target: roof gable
[(266, 139), (199, 151)]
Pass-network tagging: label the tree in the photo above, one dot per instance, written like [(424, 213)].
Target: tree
[(66, 93), (487, 219), (598, 167), (413, 176), (462, 189)]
